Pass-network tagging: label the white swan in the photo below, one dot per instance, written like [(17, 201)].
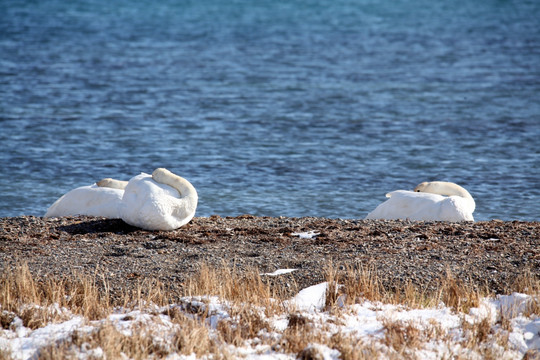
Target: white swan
[(162, 201), (92, 200), (430, 201)]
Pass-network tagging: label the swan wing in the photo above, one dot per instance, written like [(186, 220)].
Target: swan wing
[(403, 204), (456, 208), (422, 206), (89, 200)]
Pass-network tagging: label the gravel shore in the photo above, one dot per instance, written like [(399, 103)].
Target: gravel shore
[(483, 254)]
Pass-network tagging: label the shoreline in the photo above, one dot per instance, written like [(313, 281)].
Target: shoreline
[(487, 255)]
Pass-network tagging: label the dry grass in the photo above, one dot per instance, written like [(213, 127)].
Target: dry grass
[(194, 338), (245, 323), (402, 335), (250, 302), (363, 283), (139, 345), (458, 295), (351, 348), (19, 291), (236, 287), (301, 332), (526, 282), (484, 339)]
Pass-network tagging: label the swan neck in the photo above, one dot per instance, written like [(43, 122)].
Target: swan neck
[(184, 187), (112, 183), (449, 189)]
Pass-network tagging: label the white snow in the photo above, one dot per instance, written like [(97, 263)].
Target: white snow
[(280, 272), (307, 235), (25, 343), (364, 321), (311, 298)]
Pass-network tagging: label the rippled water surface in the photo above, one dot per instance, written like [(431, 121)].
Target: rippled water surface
[(294, 108)]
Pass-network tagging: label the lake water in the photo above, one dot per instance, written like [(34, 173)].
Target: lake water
[(293, 108)]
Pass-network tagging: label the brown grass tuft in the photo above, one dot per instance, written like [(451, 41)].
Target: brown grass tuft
[(481, 331), (532, 355), (18, 287), (297, 320), (245, 323), (193, 337), (300, 332), (80, 294), (533, 307), (458, 295), (362, 283), (353, 349), (115, 345), (332, 293), (401, 335), (235, 286), (527, 282), (6, 319)]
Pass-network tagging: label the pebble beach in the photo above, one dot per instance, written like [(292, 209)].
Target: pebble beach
[(488, 255)]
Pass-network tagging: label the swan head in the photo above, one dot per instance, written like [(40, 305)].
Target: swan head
[(424, 187)]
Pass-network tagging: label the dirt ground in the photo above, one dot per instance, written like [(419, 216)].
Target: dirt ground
[(484, 254)]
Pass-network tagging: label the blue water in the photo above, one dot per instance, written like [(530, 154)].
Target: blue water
[(293, 108)]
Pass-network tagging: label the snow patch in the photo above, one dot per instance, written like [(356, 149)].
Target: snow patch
[(280, 272), (307, 235)]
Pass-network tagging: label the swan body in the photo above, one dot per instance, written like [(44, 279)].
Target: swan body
[(161, 201), (430, 201), (91, 200)]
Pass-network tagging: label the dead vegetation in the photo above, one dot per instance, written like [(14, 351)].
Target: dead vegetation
[(480, 255), (250, 303)]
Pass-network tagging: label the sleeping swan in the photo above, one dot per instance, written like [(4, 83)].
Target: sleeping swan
[(92, 200), (430, 201), (163, 201)]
